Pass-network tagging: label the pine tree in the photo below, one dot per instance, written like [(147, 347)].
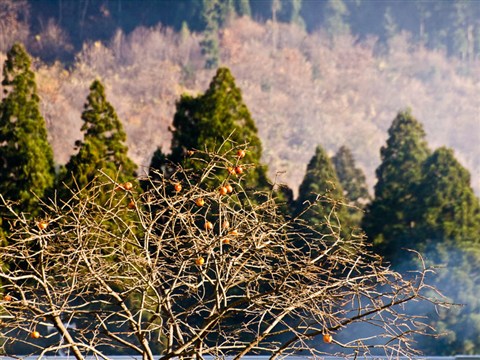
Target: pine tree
[(448, 210), (206, 121), (335, 21), (243, 8), (389, 218), (448, 233), (390, 27), (289, 12), (215, 13), (321, 185), (27, 170), (353, 182), (103, 146)]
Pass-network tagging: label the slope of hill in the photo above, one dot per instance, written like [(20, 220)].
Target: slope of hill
[(302, 89)]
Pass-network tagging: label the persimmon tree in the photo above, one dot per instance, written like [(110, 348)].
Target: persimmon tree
[(196, 271)]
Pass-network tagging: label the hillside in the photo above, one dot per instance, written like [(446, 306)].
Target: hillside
[(302, 89)]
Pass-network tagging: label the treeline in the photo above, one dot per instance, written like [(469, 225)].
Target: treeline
[(450, 26), (423, 200), (297, 86), (200, 263), (29, 174)]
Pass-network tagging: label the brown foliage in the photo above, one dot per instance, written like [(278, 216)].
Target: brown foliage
[(13, 23), (302, 89)]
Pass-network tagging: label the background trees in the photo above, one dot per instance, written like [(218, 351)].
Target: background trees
[(204, 123), (445, 26), (391, 215), (425, 202), (26, 158), (321, 187), (14, 24), (353, 181), (294, 92), (302, 90), (103, 145)]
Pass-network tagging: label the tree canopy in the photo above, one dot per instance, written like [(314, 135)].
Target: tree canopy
[(390, 216), (103, 146), (353, 182), (321, 186), (448, 210), (205, 121), (27, 170)]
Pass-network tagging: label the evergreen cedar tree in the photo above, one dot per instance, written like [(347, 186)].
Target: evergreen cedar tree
[(390, 217), (448, 210), (205, 121), (460, 325), (425, 202), (103, 146), (353, 182), (243, 8), (213, 14), (27, 171), (321, 183), (448, 233)]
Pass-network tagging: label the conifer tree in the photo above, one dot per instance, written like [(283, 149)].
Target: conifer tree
[(321, 184), (335, 18), (353, 182), (351, 177), (290, 12), (448, 233), (390, 216), (243, 8), (462, 29), (27, 170), (389, 25), (204, 122), (212, 16), (448, 210), (158, 163), (103, 146)]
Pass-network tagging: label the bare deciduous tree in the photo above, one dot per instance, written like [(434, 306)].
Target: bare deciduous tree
[(14, 25), (185, 271)]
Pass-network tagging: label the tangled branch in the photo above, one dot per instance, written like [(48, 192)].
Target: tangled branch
[(187, 269)]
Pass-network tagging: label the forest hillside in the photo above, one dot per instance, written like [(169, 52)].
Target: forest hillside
[(303, 89), (332, 109)]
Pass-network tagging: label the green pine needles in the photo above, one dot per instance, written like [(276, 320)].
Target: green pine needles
[(103, 146), (320, 187), (204, 123), (26, 158), (390, 216)]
